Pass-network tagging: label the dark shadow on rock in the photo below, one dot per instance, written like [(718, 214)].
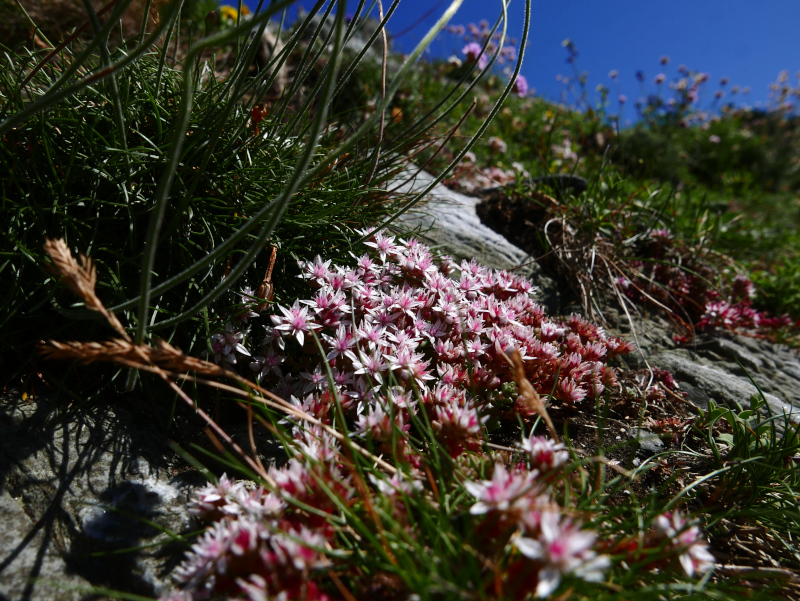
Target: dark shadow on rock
[(59, 474)]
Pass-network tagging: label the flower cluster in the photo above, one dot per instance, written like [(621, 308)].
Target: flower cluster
[(476, 36), (552, 546), (396, 329), (685, 540), (258, 545), (676, 280), (262, 544), (469, 179), (481, 45), (387, 340)]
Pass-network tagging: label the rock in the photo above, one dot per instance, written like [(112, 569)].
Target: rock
[(78, 488), (270, 46), (30, 551), (358, 38), (447, 219), (717, 365), (649, 444), (725, 382)]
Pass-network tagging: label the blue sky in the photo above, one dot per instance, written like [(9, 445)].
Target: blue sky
[(748, 41)]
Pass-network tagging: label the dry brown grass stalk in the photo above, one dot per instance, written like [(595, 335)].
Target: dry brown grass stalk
[(532, 399), (162, 355), (80, 278)]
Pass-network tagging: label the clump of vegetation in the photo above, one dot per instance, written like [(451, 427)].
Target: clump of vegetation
[(389, 465), (181, 179)]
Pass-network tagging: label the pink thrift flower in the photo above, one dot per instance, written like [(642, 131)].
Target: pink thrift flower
[(473, 53), (520, 86)]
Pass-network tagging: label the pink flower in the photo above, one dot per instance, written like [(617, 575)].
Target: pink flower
[(315, 380), (316, 270), (742, 287), (267, 364), (473, 53), (503, 492), (227, 344), (371, 365), (384, 245), (570, 391), (497, 145), (295, 322), (342, 342), (213, 501), (662, 235), (562, 548), (246, 312), (409, 364), (520, 86), (544, 454), (719, 313), (379, 425), (695, 556)]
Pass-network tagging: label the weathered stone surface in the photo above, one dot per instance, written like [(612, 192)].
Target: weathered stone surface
[(648, 443), (269, 47), (448, 220), (717, 365), (90, 484), (29, 551)]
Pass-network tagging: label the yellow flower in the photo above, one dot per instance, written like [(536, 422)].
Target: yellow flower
[(228, 12)]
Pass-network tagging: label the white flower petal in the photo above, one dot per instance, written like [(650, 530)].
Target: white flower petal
[(549, 579), (529, 547), (479, 508)]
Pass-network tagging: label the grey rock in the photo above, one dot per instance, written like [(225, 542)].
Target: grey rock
[(649, 444), (31, 566), (359, 37), (269, 47), (716, 381), (91, 484), (717, 365), (448, 220)]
